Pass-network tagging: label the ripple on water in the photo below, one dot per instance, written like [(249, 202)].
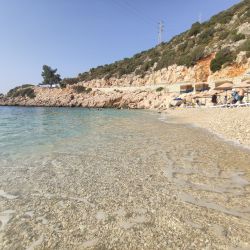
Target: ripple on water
[(5, 217), (7, 196)]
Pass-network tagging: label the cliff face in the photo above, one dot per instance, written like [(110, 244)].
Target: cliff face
[(175, 74), (133, 97), (136, 99)]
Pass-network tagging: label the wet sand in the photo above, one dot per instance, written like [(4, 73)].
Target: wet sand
[(143, 183)]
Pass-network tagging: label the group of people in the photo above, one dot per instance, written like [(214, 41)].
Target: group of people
[(237, 96)]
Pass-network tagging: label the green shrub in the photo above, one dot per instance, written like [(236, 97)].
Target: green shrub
[(24, 91), (215, 65), (70, 81), (225, 56), (79, 89), (206, 36), (197, 54), (88, 90), (223, 35), (195, 29), (223, 17), (237, 37), (159, 89), (185, 60), (182, 46), (138, 72), (63, 85)]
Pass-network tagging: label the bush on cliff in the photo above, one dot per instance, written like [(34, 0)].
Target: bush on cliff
[(159, 89), (195, 29), (22, 91), (70, 81), (81, 89), (225, 56)]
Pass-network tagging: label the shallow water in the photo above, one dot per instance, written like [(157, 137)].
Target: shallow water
[(79, 178)]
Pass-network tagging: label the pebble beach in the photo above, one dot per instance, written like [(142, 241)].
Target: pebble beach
[(232, 124)]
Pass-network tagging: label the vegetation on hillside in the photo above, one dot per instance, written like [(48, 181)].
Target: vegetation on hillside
[(25, 90), (219, 34), (79, 89)]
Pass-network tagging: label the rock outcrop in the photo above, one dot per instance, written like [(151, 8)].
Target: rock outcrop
[(138, 99), (176, 74)]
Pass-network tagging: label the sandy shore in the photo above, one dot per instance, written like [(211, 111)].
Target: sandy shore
[(232, 124)]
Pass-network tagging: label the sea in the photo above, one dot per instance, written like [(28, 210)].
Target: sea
[(76, 178)]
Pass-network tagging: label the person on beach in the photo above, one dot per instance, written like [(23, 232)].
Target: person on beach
[(235, 96), (241, 95), (214, 99), (225, 100)]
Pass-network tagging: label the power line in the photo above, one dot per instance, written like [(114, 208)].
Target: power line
[(125, 5), (140, 11)]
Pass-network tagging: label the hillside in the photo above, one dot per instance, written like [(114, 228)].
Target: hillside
[(226, 34)]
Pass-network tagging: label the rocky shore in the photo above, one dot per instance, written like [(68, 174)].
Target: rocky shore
[(135, 99)]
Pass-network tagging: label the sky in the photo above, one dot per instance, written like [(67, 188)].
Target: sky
[(76, 35)]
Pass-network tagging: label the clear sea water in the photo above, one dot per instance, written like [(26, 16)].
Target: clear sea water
[(125, 179)]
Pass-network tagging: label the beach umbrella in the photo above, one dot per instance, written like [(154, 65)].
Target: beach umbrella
[(242, 85), (221, 82), (225, 86)]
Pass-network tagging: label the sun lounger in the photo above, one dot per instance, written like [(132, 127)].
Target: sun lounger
[(236, 105)]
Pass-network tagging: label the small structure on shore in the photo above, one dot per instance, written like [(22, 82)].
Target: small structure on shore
[(200, 87), (180, 88)]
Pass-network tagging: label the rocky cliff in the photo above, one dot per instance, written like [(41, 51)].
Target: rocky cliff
[(176, 74), (139, 97)]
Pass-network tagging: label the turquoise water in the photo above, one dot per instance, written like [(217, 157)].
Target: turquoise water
[(118, 179), (27, 131)]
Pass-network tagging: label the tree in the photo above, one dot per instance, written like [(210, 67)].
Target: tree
[(49, 76)]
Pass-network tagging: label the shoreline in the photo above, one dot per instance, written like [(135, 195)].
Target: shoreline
[(228, 122), (230, 125)]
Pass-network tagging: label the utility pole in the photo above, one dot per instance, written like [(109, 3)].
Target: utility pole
[(160, 32)]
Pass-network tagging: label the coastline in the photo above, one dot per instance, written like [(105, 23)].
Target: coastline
[(232, 125)]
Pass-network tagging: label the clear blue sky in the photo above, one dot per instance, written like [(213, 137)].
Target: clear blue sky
[(75, 35)]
